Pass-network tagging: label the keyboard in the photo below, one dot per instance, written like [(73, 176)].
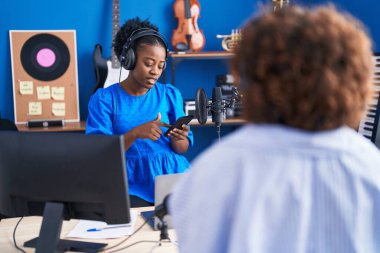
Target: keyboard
[(368, 126)]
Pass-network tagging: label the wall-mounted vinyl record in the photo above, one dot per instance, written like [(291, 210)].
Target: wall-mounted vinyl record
[(45, 57)]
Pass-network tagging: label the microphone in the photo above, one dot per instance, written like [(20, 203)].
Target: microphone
[(162, 209), (217, 107)]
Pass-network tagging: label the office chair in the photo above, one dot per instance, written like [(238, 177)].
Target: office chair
[(6, 125)]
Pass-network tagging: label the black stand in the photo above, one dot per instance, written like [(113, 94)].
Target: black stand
[(163, 227), (48, 240), (160, 212), (164, 235)]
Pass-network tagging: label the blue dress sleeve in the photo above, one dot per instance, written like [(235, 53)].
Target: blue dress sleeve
[(176, 104), (100, 113)]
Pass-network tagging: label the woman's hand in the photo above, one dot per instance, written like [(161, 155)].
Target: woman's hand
[(179, 140), (149, 130), (178, 134)]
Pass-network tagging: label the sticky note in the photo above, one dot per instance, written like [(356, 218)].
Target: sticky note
[(35, 108), (43, 92), (58, 93), (26, 87), (59, 109)]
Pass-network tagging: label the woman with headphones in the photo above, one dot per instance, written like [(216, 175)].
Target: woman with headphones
[(141, 109)]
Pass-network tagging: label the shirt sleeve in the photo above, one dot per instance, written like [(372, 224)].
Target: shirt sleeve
[(100, 113), (176, 103), (202, 207)]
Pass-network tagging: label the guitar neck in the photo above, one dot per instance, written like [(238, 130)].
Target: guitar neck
[(115, 29)]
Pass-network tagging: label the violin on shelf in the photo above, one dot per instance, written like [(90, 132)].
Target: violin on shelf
[(187, 36)]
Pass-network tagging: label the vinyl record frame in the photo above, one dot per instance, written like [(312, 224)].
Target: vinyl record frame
[(29, 49), (53, 44)]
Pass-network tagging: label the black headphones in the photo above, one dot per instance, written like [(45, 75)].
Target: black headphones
[(128, 55)]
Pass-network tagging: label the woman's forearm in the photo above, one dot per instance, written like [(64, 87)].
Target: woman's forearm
[(180, 146), (129, 138)]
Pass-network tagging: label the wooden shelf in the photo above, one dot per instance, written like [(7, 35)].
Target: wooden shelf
[(207, 55), (68, 127), (230, 121)]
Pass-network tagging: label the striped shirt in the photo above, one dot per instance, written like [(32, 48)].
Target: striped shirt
[(273, 189)]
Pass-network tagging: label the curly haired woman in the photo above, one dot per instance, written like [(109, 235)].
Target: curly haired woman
[(297, 177)]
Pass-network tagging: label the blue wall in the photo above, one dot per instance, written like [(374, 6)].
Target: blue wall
[(92, 21), (365, 10)]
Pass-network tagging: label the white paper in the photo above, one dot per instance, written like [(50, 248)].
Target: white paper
[(80, 230)]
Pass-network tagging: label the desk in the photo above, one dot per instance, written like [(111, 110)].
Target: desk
[(29, 228), (68, 127)]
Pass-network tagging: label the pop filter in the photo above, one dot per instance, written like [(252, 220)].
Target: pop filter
[(201, 102), (218, 107)]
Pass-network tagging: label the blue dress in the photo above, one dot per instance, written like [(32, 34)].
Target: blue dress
[(112, 111)]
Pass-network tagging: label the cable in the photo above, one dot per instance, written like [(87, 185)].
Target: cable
[(158, 243), (14, 236), (118, 94), (121, 68), (123, 241)]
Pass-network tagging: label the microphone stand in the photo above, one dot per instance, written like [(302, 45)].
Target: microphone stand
[(217, 107), (160, 212), (228, 104), (218, 131), (164, 234)]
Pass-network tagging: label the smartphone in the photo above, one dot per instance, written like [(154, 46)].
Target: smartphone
[(179, 122)]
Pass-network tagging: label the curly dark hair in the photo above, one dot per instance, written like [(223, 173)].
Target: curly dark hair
[(128, 28), (305, 68)]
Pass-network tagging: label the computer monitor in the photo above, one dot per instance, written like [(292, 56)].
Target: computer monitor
[(63, 176)]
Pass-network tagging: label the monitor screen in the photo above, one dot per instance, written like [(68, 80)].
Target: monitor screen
[(63, 176), (84, 172)]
